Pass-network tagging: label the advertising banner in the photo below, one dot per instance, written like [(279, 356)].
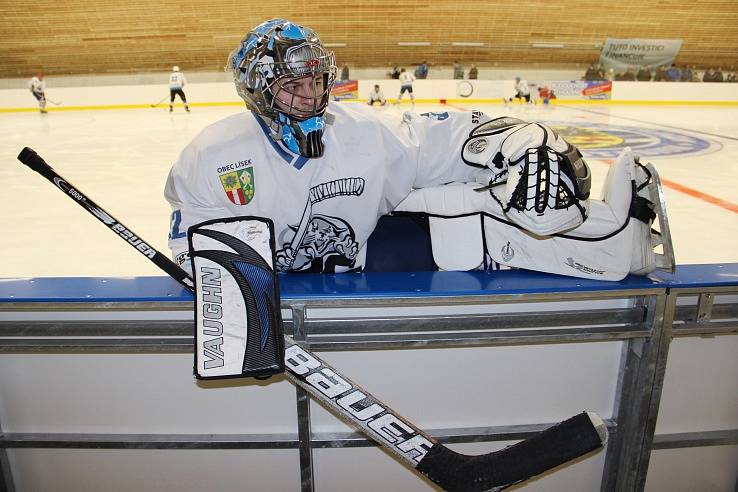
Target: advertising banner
[(619, 54), (574, 90), (345, 89)]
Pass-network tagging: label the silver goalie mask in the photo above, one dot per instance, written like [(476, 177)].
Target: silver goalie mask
[(283, 73)]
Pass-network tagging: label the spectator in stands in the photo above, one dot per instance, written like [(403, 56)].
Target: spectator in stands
[(422, 71), (709, 75), (591, 73), (629, 75), (660, 74), (718, 75), (644, 74), (345, 72), (394, 73), (595, 72), (458, 70), (473, 72), (673, 74), (687, 74)]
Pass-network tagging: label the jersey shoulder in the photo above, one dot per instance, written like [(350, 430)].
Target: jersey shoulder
[(354, 114), (235, 128)]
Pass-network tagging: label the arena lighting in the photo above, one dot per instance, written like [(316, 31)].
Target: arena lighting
[(466, 43), (334, 45), (547, 45), (413, 43)]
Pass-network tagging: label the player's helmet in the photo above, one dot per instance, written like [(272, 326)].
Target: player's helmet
[(175, 68), (271, 56)]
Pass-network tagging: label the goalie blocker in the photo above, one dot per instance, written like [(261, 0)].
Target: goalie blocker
[(238, 322)]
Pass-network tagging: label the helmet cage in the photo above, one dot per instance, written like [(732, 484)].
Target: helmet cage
[(268, 59), (302, 61)]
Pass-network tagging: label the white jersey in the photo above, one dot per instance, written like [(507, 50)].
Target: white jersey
[(177, 80), (37, 85), (522, 87), (406, 78), (376, 95), (323, 209)]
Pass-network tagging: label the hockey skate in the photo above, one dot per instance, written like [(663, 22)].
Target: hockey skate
[(651, 237)]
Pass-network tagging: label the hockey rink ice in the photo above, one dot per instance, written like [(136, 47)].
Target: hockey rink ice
[(120, 158)]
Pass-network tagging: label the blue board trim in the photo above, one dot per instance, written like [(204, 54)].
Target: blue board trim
[(363, 285)]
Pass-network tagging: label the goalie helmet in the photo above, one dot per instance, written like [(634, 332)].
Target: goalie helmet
[(284, 74)]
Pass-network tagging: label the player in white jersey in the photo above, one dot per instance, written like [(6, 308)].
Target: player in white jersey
[(406, 85), (177, 82), (376, 95), (325, 172), (37, 86), (522, 91)]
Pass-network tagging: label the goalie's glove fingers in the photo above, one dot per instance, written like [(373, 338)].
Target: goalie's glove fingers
[(503, 141), (530, 136)]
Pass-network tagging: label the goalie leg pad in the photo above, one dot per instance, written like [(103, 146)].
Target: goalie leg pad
[(238, 322)]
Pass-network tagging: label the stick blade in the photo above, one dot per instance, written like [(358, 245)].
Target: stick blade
[(498, 470)]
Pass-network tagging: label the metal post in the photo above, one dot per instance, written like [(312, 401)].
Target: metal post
[(664, 316), (6, 474), (304, 433), (642, 366)]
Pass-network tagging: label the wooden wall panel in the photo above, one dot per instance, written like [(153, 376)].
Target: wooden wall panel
[(114, 36)]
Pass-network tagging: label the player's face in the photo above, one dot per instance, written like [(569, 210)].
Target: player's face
[(299, 97)]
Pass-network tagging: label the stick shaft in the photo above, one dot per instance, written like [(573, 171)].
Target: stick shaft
[(452, 471), (303, 367), (35, 162)]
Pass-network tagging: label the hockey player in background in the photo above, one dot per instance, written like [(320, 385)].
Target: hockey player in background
[(325, 172), (522, 91), (37, 86), (177, 82), (406, 85), (376, 95)]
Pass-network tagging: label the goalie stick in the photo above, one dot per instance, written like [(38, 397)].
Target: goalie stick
[(451, 471)]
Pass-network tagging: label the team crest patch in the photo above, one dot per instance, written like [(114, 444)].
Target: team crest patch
[(239, 185)]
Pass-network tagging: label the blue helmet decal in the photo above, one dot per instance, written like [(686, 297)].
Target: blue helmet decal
[(267, 59)]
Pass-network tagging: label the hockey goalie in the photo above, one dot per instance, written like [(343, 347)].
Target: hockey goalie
[(325, 172)]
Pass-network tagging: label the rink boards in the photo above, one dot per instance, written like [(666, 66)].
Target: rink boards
[(97, 389)]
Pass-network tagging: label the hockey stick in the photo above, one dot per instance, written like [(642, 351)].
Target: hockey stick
[(54, 102), (451, 471), (161, 101)]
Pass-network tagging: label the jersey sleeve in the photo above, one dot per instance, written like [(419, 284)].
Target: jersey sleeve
[(192, 200), (441, 137)]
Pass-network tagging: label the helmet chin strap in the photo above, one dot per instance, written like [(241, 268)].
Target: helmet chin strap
[(302, 137)]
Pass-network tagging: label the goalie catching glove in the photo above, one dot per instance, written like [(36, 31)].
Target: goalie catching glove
[(540, 180), (238, 321)]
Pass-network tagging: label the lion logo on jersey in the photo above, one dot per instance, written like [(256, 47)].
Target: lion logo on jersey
[(329, 242)]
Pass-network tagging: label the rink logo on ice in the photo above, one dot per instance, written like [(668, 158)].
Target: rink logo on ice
[(600, 141), (239, 185)]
